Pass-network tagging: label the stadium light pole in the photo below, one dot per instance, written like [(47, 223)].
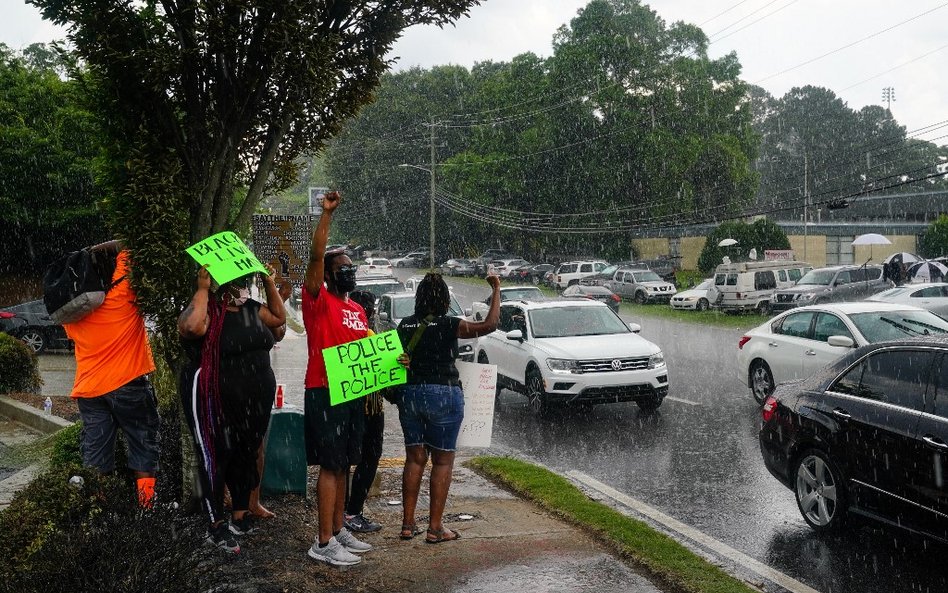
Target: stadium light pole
[(431, 213)]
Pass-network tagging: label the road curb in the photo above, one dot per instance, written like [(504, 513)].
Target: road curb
[(31, 417)]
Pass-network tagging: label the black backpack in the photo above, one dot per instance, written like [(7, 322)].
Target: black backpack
[(76, 284)]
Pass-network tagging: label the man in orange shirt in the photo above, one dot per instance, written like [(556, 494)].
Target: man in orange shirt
[(113, 360)]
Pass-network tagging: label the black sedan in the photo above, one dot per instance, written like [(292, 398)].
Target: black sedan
[(867, 436), (31, 323), (533, 273), (595, 293)]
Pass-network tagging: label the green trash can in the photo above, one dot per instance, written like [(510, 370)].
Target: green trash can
[(285, 468)]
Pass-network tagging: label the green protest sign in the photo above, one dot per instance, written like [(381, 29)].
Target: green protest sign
[(361, 367), (226, 257)]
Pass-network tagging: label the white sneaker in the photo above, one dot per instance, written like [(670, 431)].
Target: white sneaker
[(333, 553), (351, 544)]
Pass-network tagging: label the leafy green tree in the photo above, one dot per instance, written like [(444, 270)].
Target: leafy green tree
[(761, 235), (934, 243), (48, 143)]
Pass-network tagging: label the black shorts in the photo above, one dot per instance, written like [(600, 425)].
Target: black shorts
[(333, 433), (133, 408)]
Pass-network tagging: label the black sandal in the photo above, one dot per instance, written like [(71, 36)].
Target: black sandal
[(411, 529), (445, 535)]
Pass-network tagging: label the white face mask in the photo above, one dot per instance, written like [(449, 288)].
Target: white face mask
[(243, 295)]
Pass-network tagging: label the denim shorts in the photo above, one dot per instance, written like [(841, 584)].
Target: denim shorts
[(132, 408), (431, 415)]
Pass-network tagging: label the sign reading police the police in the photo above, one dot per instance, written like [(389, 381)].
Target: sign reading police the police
[(226, 257), (361, 367)]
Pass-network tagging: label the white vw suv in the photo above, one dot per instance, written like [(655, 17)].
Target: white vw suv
[(573, 352)]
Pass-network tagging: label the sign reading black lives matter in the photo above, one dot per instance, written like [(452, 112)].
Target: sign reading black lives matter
[(284, 243)]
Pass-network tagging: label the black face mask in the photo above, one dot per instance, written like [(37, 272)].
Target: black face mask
[(345, 278)]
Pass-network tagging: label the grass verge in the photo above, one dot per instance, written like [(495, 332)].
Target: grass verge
[(22, 455), (662, 557)]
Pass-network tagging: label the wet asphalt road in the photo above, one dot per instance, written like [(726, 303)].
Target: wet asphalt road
[(698, 461)]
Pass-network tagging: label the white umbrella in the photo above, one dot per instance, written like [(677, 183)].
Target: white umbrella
[(926, 271), (871, 239), (727, 242), (902, 257)]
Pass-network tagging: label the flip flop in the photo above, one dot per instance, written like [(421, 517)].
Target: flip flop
[(445, 535), (413, 529)]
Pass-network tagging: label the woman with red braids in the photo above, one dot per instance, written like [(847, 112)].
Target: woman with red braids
[(227, 389)]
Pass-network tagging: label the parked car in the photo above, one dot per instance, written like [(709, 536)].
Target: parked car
[(641, 286), (379, 285), (375, 266), (457, 267), (601, 278), (750, 286), (481, 262), (395, 306), (504, 267), (695, 298), (413, 259), (570, 273), (534, 273), (933, 297), (507, 293), (31, 323), (664, 267), (573, 352), (799, 342), (831, 284), (866, 436), (596, 293)]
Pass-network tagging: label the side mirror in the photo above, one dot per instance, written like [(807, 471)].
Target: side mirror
[(383, 316), (635, 327), (468, 312), (841, 341), (515, 334)]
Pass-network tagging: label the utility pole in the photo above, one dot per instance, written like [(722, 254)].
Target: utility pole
[(431, 213), (888, 95), (806, 201)]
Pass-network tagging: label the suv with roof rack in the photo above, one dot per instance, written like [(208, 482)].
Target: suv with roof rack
[(573, 352)]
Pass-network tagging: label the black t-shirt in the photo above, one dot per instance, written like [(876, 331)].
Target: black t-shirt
[(245, 342), (432, 360)]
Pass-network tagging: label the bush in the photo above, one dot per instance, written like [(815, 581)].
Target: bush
[(66, 450), (93, 537), (18, 362), (934, 243), (762, 235)]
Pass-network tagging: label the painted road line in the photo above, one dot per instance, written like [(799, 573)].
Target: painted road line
[(771, 574), (682, 401)]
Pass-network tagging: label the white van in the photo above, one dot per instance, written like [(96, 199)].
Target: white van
[(750, 286)]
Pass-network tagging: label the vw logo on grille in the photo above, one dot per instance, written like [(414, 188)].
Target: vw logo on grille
[(616, 365)]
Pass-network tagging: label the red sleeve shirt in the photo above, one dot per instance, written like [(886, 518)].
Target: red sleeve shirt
[(329, 321)]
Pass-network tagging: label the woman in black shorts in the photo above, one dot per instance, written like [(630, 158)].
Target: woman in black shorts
[(227, 388), (431, 404)]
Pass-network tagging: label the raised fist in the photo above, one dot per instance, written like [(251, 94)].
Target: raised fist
[(331, 200)]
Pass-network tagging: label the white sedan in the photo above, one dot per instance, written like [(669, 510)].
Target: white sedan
[(799, 342), (695, 298), (375, 266), (933, 296)]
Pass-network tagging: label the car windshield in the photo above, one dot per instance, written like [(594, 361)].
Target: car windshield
[(561, 322), (881, 326), (609, 270), (380, 262), (706, 285), (647, 277), (521, 294), (404, 307), (818, 277)]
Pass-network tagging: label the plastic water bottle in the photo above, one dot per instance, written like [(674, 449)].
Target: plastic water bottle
[(48, 406), (76, 481)]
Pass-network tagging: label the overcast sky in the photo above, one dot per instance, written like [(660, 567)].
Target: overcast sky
[(769, 36)]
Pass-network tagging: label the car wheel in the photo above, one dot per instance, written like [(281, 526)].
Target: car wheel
[(763, 308), (650, 403), (639, 298), (572, 283), (536, 395), (399, 264), (761, 380), (820, 492), (536, 280), (702, 305), (35, 339)]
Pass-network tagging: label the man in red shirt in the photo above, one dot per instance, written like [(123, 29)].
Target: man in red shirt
[(333, 433), (113, 361)]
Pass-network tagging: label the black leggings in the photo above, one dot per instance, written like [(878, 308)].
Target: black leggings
[(230, 457), (364, 475)]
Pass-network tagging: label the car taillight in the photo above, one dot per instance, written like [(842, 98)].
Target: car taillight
[(769, 409), (616, 298), (6, 315), (742, 341), (738, 296)]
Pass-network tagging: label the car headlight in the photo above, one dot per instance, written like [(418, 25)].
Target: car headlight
[(465, 349), (691, 298), (563, 365), (656, 361), (806, 297)]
